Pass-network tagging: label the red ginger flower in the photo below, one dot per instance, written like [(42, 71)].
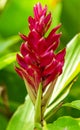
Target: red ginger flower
[(38, 61)]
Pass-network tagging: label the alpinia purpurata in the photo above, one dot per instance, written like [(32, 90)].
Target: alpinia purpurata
[(38, 61)]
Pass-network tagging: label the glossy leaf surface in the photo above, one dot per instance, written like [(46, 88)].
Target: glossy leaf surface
[(70, 71), (65, 123), (23, 117)]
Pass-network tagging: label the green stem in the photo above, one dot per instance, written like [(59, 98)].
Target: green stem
[(38, 108)]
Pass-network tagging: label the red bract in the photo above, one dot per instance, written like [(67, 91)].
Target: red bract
[(38, 62), (41, 22)]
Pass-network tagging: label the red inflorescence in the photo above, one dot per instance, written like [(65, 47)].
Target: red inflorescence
[(38, 62)]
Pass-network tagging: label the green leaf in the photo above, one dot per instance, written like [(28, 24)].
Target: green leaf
[(72, 63), (70, 71), (74, 104), (23, 118), (65, 123), (4, 44), (2, 4), (38, 105), (7, 59)]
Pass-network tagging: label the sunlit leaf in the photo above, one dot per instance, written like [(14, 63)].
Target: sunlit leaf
[(2, 4), (65, 123), (74, 104), (7, 59), (4, 44), (23, 117), (70, 71)]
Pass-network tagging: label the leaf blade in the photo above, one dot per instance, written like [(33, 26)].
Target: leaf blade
[(69, 124), (74, 104), (23, 118), (7, 59), (69, 67), (70, 71)]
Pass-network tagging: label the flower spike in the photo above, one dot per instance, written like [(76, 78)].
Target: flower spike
[(38, 62)]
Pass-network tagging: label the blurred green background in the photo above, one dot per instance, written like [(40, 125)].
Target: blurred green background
[(13, 19)]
